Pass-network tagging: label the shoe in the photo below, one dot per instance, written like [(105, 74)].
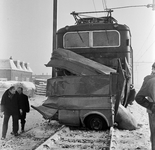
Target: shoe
[(22, 131), (2, 138), (16, 134)]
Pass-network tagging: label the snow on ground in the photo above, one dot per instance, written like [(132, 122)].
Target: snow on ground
[(125, 140), (33, 118), (37, 129), (137, 139)]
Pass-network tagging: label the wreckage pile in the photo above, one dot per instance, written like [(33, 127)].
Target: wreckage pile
[(77, 81)]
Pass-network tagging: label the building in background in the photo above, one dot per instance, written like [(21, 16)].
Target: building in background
[(15, 70)]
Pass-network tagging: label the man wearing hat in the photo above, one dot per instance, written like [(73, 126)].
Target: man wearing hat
[(146, 98)]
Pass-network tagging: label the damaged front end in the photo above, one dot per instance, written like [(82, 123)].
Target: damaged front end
[(81, 88)]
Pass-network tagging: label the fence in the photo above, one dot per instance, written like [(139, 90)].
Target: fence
[(40, 87)]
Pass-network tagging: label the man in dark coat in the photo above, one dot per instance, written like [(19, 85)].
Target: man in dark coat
[(24, 106), (146, 98), (10, 107)]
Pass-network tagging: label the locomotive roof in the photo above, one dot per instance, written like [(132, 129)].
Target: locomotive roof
[(93, 26), (89, 23)]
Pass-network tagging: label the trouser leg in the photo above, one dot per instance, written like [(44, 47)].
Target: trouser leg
[(5, 125), (15, 123), (152, 129), (23, 121), (23, 125)]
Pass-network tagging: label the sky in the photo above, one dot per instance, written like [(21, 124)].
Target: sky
[(26, 29)]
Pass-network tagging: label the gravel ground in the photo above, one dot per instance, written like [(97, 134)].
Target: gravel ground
[(75, 139)]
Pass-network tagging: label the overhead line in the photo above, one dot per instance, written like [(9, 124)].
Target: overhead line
[(105, 4), (145, 39), (94, 6), (146, 50)]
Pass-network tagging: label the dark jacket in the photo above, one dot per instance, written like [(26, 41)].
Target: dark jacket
[(147, 90), (9, 103), (23, 102)]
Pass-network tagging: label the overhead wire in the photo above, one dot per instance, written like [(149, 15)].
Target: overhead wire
[(146, 50), (94, 6), (145, 40), (103, 5)]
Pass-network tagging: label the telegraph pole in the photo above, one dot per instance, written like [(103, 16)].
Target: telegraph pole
[(54, 23), (54, 29)]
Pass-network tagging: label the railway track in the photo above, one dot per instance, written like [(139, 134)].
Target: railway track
[(80, 139), (53, 136)]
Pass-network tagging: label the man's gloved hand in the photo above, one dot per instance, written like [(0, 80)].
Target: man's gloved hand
[(153, 108)]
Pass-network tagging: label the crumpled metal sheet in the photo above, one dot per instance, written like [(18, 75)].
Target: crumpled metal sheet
[(78, 85), (46, 112), (76, 92), (85, 103), (52, 104), (77, 64), (48, 108)]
